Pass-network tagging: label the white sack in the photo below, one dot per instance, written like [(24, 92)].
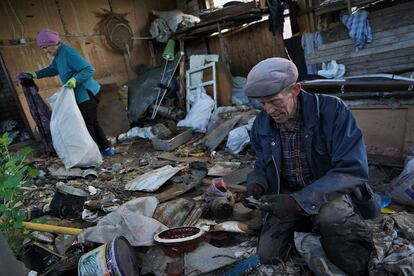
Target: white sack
[(199, 115), (71, 139)]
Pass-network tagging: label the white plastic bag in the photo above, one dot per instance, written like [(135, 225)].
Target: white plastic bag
[(238, 139), (332, 70), (199, 115), (71, 139), (402, 188)]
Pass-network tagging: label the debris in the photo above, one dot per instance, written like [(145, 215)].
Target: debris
[(310, 248), (144, 133), (171, 142), (43, 236), (220, 200), (89, 216), (63, 173), (92, 190), (217, 135), (232, 226), (133, 220), (152, 180), (173, 213), (223, 168), (241, 213), (63, 242), (68, 201), (38, 257), (247, 264), (117, 168), (177, 241), (182, 159), (154, 261), (207, 258), (197, 171), (237, 176), (115, 258)]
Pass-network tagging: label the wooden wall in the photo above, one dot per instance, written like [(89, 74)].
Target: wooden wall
[(76, 22), (246, 48)]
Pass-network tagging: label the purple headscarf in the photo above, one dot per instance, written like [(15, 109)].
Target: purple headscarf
[(47, 37)]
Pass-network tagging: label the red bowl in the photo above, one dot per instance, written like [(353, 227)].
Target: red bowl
[(176, 241)]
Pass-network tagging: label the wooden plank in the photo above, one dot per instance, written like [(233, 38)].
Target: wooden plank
[(384, 65), (367, 51), (400, 32), (217, 135), (248, 47), (373, 57)]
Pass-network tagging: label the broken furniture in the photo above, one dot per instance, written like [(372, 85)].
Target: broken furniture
[(192, 87)]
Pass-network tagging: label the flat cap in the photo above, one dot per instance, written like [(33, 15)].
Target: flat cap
[(269, 77)]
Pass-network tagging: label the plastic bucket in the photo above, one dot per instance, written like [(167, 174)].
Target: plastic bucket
[(110, 259)]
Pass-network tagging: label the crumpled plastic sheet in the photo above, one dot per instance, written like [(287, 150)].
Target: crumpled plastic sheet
[(132, 220), (394, 245), (310, 248)]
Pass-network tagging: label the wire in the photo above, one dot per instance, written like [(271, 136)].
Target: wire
[(18, 20)]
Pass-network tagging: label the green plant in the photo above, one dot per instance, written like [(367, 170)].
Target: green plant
[(15, 175)]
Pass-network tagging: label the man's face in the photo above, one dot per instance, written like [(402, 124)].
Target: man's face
[(282, 107), (51, 50)]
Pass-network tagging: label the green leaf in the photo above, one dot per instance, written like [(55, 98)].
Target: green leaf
[(12, 181), (33, 172), (18, 224), (25, 151), (5, 139)]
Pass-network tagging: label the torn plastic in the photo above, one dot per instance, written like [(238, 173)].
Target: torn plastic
[(133, 220)]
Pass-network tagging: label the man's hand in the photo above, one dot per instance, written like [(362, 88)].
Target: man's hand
[(71, 83), (279, 205), (254, 190)]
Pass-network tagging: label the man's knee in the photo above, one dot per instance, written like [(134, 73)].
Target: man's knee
[(275, 238), (335, 212)]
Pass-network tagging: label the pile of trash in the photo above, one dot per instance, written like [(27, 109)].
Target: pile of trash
[(178, 210)]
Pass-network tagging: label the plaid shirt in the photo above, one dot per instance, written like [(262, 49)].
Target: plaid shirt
[(295, 169), (358, 28)]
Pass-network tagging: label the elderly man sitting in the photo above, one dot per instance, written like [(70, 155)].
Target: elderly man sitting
[(311, 167)]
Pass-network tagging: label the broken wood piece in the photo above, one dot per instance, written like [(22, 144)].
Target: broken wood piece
[(175, 191), (171, 156), (217, 135)]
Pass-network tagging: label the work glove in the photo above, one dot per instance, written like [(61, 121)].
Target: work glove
[(26, 75), (71, 83), (280, 205), (253, 190)]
